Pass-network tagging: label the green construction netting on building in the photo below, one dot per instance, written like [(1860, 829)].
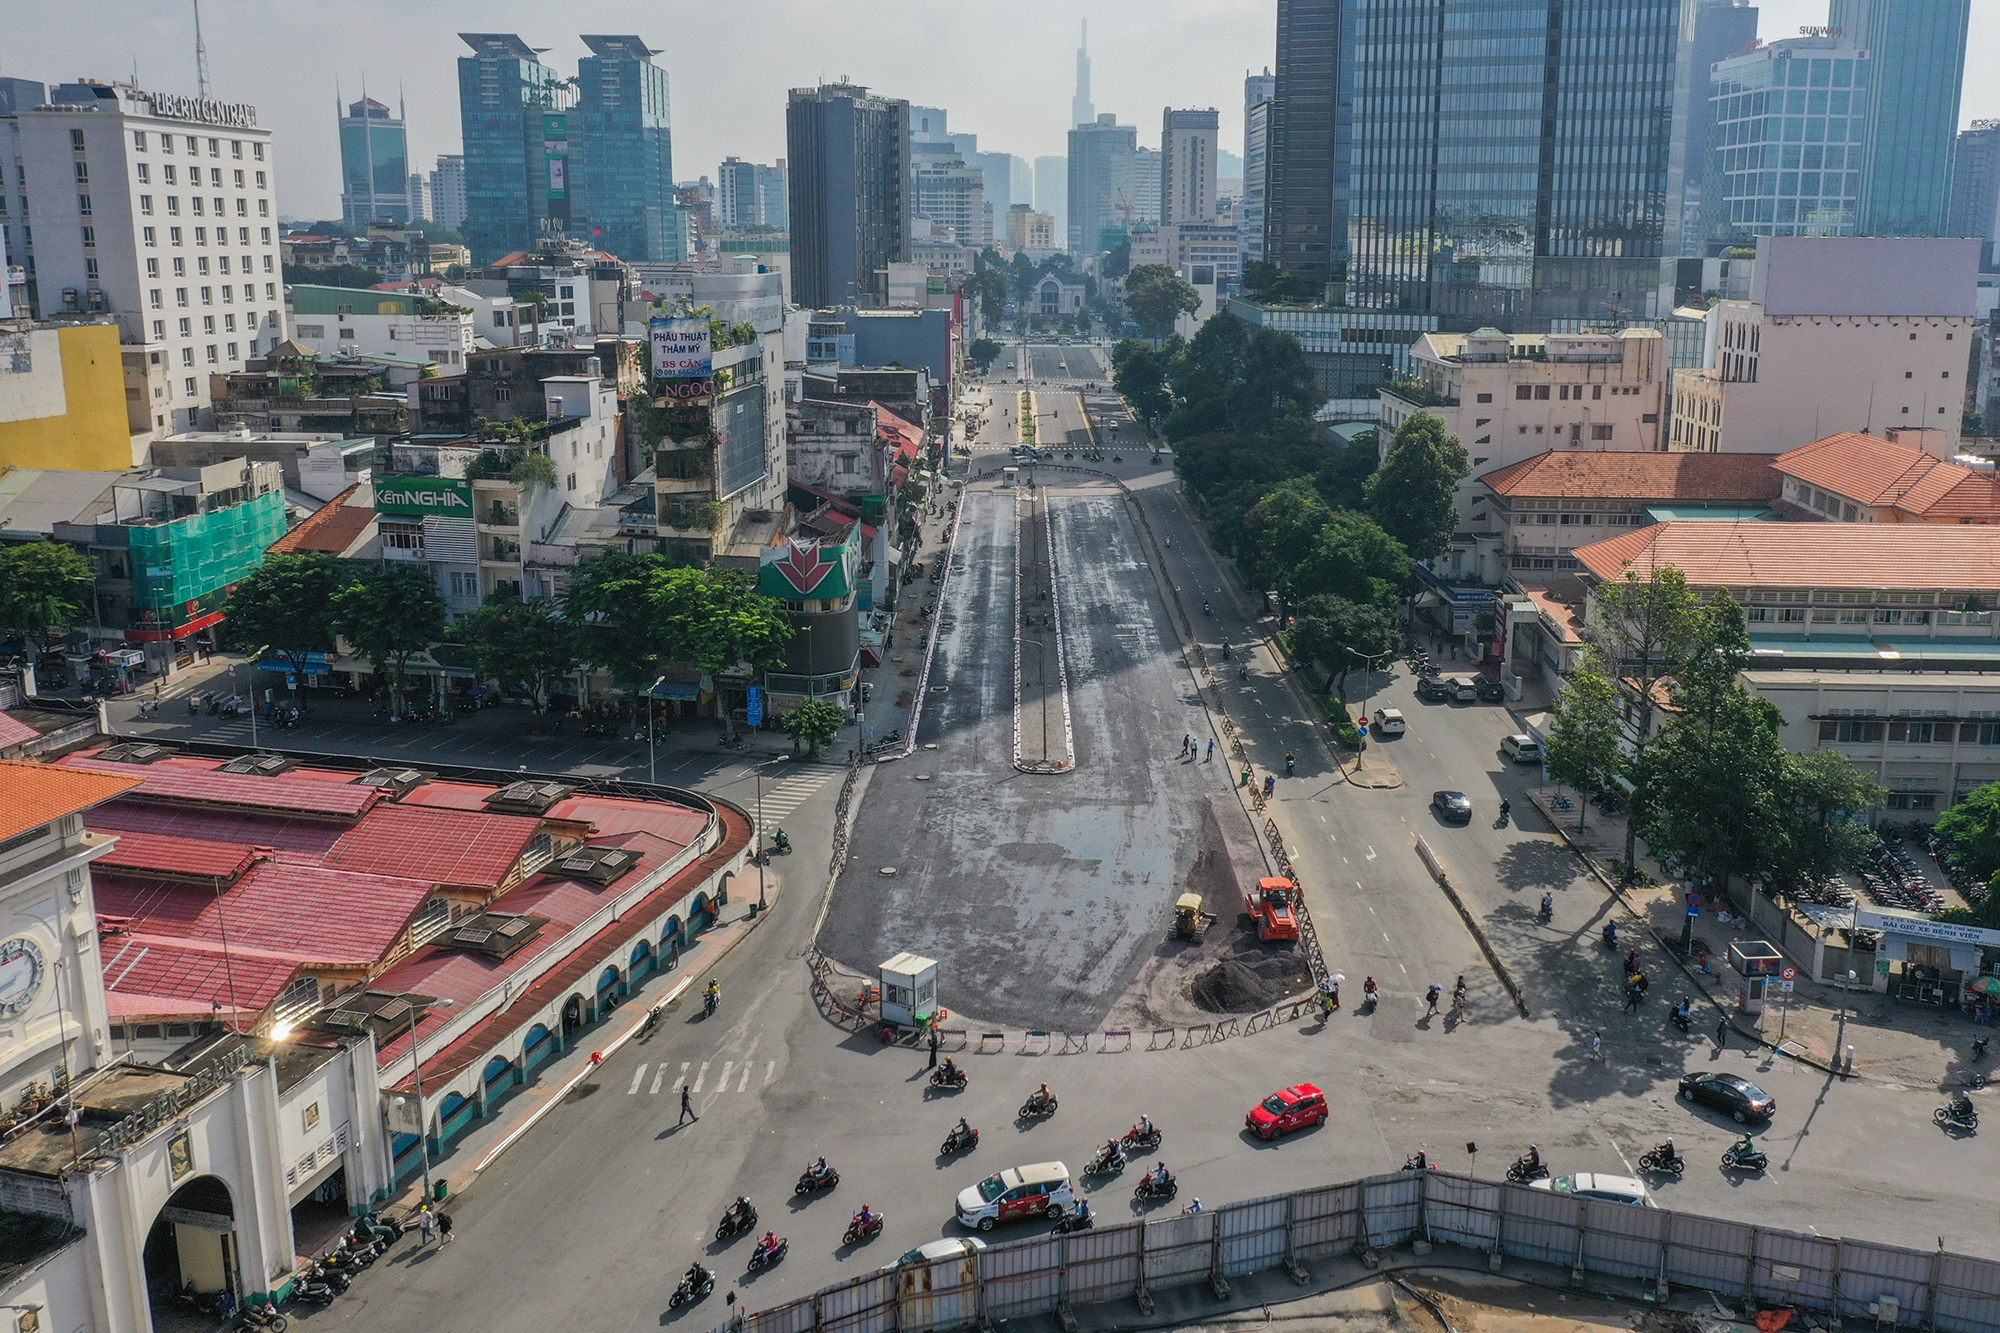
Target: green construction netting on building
[(180, 562)]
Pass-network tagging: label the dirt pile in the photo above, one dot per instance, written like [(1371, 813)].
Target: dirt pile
[(1235, 986)]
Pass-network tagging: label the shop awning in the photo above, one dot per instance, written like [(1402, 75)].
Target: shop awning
[(194, 626)]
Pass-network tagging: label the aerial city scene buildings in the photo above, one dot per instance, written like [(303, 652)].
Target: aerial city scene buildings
[(788, 668)]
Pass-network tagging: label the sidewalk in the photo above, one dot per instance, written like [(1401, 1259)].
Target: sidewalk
[(1891, 1042), (480, 1146)]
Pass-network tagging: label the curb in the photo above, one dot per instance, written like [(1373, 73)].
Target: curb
[(1645, 923), (468, 1176)]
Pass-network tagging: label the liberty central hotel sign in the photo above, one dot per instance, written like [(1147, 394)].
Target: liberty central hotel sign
[(203, 110)]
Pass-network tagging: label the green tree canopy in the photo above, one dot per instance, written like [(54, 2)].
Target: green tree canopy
[(1818, 795), (1156, 296), (609, 600), (717, 620), (1343, 635), (814, 723), (282, 605), (1343, 478), (44, 587), (1712, 786), (1583, 746), (1974, 826), (1278, 532), (1140, 375), (390, 614), (1414, 494), (1351, 557), (523, 645), (982, 352)]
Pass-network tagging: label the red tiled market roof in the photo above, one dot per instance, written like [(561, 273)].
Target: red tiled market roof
[(1913, 556), (1576, 474), (32, 795), (1889, 474)]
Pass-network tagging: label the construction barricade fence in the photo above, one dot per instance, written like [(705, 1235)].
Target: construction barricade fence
[(1591, 1238)]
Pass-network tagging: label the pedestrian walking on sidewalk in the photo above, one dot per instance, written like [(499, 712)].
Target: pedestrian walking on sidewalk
[(687, 1108), (426, 1226), (444, 1228), (1211, 751), (1721, 1034), (934, 1046), (1597, 1044)]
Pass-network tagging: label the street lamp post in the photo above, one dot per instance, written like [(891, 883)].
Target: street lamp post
[(1367, 692), (423, 1119), (652, 771)]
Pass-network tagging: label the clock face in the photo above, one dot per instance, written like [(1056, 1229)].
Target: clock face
[(20, 974)]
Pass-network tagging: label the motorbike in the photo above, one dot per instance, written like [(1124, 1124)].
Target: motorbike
[(808, 1182), (781, 844), (1038, 1106), (858, 1231), (1682, 1020), (652, 1021), (264, 1316), (313, 1291), (708, 1003), (370, 1227), (764, 1258), (1074, 1221), (1419, 1162), (1526, 1169), (1958, 1114), (1548, 911), (949, 1078), (1611, 934), (1146, 1142), (1654, 1160), (1152, 1187), (692, 1288), (1506, 815), (1107, 1162), (1735, 1159), (958, 1141), (735, 1223)]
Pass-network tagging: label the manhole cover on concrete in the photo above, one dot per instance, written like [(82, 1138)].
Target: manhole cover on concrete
[(940, 689), (923, 777), (886, 870), (930, 745)]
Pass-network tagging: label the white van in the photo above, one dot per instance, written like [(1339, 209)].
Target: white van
[(1522, 749)]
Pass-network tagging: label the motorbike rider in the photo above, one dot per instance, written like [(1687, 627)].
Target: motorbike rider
[(818, 1169), (1109, 1152), (1143, 1127), (1532, 1159), (1043, 1096), (1290, 763), (1548, 903), (1159, 1175), (948, 1070), (738, 1210), (768, 1244), (1611, 933), (1960, 1108), (1506, 807), (1420, 1162), (714, 991), (1369, 989), (1745, 1146), (1667, 1153), (1205, 607), (865, 1218), (694, 1277), (962, 1130), (1083, 1210), (1684, 1012)]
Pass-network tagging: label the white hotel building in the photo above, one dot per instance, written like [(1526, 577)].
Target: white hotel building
[(159, 209)]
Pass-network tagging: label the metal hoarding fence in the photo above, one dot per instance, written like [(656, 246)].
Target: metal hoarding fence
[(1948, 1293)]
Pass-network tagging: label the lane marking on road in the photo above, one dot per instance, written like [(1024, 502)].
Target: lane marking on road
[(638, 1077), (744, 1085), (1371, 854), (700, 1076), (659, 1076), (722, 1084), (770, 1070), (684, 1071)]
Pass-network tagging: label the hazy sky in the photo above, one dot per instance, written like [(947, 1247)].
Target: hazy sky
[(1002, 68)]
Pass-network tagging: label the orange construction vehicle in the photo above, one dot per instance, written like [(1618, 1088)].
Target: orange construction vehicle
[(1272, 908)]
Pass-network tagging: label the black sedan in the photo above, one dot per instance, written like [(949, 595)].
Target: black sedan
[(1744, 1100), (1492, 691), (1432, 690), (1453, 807)]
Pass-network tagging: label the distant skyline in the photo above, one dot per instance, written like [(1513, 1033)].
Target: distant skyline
[(1003, 69)]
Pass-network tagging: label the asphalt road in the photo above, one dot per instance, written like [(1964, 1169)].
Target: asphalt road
[(588, 1221)]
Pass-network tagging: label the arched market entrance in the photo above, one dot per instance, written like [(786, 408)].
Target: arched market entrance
[(191, 1250)]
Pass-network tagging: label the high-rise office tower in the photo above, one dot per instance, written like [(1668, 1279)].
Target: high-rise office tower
[(1100, 182), (514, 124), (624, 152), (1081, 112), (1187, 165), (1918, 50), (1722, 28), (1507, 163), (1975, 185), (374, 165), (848, 155), (448, 191), (928, 124), (1051, 193), (1763, 181), (420, 197), (1257, 93), (748, 194), (951, 192)]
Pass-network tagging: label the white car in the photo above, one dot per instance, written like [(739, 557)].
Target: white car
[(1389, 721), (1596, 1185), (938, 1249), (1041, 1190)]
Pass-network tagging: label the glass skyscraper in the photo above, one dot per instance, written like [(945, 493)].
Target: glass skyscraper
[(849, 157), (374, 165), (1918, 51), (623, 152), (1498, 162), (512, 117), (1790, 119)]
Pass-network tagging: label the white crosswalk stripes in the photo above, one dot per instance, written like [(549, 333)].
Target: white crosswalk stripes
[(741, 1072), (794, 790)]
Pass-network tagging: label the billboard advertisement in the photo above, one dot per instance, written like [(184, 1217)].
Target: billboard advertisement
[(555, 148), (683, 358), (407, 497)]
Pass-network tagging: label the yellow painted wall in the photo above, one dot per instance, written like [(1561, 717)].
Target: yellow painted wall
[(94, 435)]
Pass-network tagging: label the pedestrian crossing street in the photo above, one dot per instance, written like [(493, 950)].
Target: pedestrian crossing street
[(734, 1076), (789, 793)]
